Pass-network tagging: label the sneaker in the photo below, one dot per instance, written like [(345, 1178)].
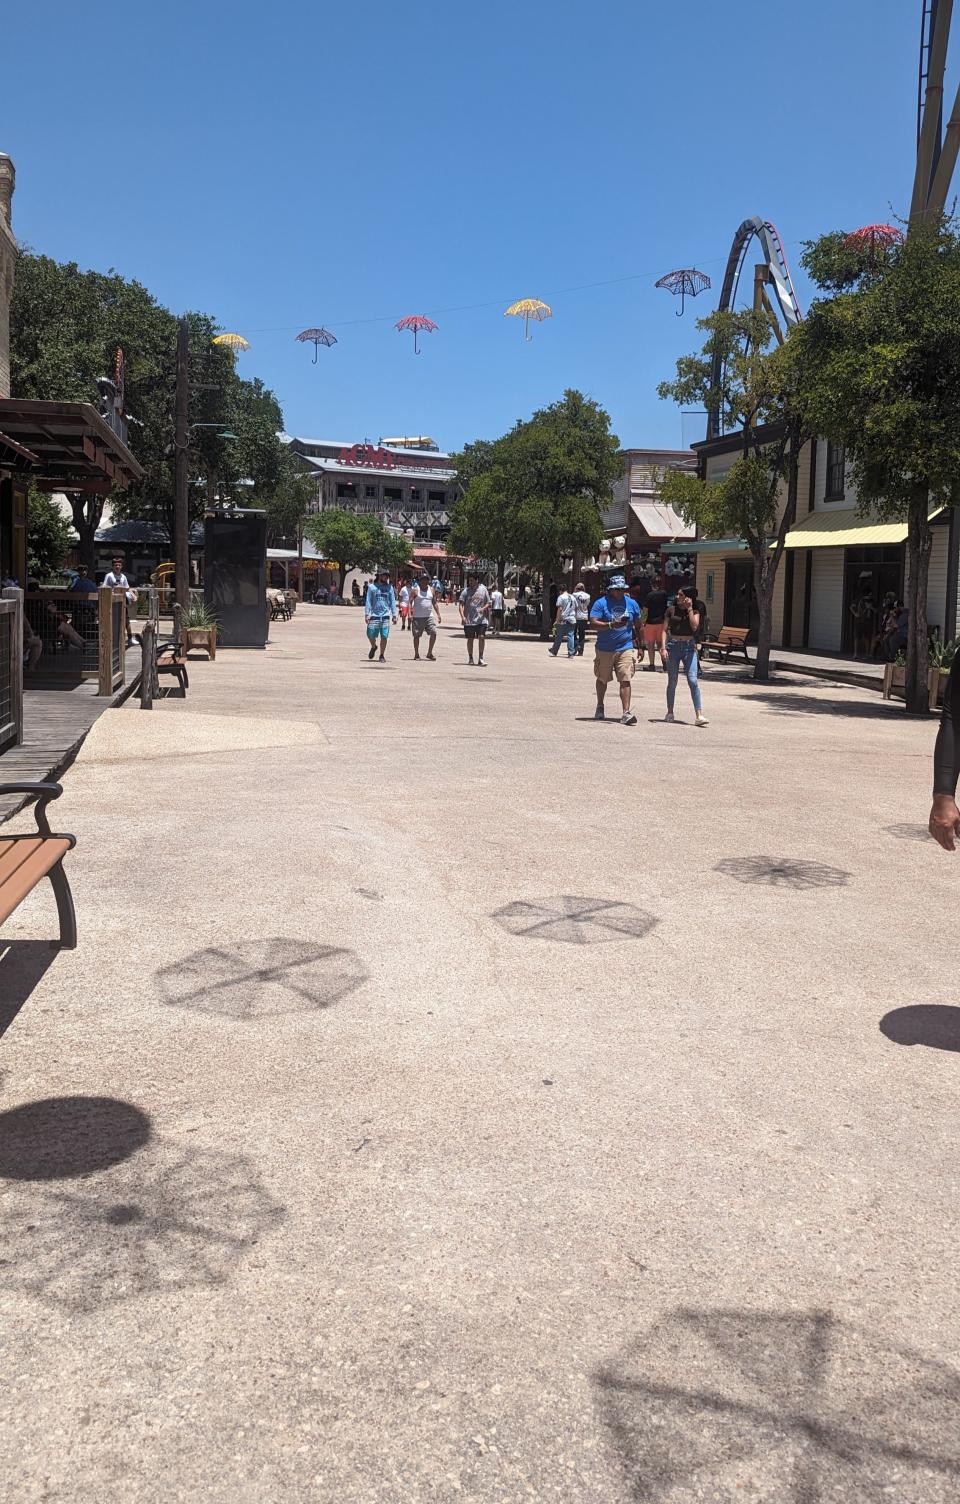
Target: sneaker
[(373, 652), (628, 718), (551, 652), (701, 719), (599, 714), (668, 716), (482, 663)]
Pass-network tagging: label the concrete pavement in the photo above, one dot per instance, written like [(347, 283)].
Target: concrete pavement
[(452, 1097)]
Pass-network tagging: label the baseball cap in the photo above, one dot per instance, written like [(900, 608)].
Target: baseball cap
[(617, 582)]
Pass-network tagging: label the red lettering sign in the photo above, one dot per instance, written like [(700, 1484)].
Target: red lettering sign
[(368, 456)]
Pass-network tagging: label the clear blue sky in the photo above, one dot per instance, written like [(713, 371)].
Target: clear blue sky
[(297, 163)]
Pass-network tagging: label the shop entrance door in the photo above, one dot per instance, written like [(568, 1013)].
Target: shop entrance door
[(876, 572), (740, 599)]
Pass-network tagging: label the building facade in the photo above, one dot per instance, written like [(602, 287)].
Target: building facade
[(833, 556), (408, 488), (638, 527)]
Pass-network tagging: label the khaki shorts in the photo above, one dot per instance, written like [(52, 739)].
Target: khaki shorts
[(623, 664)]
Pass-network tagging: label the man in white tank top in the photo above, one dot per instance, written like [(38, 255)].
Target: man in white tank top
[(425, 616)]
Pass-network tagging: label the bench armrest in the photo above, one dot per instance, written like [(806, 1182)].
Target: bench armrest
[(42, 793)]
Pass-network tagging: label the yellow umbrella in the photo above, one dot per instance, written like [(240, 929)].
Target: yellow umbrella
[(527, 309), (233, 342)]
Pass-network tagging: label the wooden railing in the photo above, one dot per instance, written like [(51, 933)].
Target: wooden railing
[(11, 668), (80, 637)]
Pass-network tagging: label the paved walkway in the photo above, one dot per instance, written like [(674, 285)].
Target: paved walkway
[(452, 1097)]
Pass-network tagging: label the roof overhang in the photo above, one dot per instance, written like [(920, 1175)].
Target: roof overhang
[(707, 546), (14, 456), (659, 521), (846, 530), (74, 448)]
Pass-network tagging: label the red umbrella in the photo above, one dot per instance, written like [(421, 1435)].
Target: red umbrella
[(416, 322), (873, 238)]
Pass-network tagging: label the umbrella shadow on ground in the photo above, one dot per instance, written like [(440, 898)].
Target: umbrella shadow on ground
[(23, 964), (261, 978), (64, 1138), (796, 1406), (575, 920), (908, 832), (166, 1218), (784, 703), (936, 1025), (782, 872)]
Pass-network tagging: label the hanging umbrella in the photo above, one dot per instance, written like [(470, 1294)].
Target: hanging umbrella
[(527, 309), (873, 239), (688, 282), (319, 337), (416, 322), (234, 342)]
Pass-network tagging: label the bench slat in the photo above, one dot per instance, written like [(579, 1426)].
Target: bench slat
[(24, 862)]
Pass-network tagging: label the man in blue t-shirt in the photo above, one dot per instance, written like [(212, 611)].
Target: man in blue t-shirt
[(379, 610), (616, 617)]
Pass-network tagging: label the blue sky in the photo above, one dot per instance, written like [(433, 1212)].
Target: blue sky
[(295, 164)]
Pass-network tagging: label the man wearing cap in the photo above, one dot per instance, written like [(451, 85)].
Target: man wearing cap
[(379, 610), (615, 615)]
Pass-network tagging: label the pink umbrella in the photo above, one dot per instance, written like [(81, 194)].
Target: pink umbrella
[(416, 322)]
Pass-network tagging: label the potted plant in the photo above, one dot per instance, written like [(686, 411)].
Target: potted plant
[(895, 676), (198, 629), (942, 655)]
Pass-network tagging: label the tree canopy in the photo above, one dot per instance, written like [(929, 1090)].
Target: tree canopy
[(65, 327), (537, 493), (356, 541)]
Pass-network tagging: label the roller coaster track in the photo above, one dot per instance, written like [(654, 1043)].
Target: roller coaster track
[(764, 231)]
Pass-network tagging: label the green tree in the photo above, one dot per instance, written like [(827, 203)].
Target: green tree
[(354, 540), (536, 494), (49, 535), (879, 372), (755, 397)]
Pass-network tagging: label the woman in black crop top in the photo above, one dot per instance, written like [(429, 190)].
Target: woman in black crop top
[(683, 623)]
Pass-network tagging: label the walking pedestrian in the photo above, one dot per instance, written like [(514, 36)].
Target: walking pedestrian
[(581, 596), (475, 610), (616, 616), (497, 608), (403, 603), (655, 629), (565, 624), (379, 610), (425, 616), (683, 624)]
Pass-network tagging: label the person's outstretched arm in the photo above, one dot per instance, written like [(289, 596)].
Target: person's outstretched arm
[(944, 815)]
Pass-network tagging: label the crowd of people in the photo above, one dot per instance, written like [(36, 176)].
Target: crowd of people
[(671, 629), (879, 628)]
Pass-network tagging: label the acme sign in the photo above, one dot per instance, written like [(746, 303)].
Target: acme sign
[(368, 455)]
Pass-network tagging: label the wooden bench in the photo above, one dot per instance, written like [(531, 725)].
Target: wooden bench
[(170, 660), (727, 641), (26, 860)]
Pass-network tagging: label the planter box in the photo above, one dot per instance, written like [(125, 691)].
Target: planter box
[(895, 678), (199, 637)]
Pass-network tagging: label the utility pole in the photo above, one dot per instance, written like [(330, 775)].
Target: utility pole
[(181, 444)]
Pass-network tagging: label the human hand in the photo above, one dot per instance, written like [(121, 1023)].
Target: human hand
[(944, 823)]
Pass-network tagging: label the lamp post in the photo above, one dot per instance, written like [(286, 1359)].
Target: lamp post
[(181, 441)]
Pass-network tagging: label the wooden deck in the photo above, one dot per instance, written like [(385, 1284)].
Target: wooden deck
[(55, 722)]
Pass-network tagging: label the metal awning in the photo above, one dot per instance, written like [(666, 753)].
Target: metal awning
[(707, 546), (659, 521), (845, 530), (75, 448)]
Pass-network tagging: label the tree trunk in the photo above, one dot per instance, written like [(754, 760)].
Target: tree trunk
[(577, 566), (763, 582), (546, 616), (343, 580), (501, 573), (919, 544), (86, 523)]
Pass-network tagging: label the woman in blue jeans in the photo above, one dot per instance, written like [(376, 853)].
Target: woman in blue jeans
[(683, 623)]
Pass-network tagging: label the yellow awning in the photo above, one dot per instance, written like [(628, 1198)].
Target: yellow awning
[(845, 530)]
